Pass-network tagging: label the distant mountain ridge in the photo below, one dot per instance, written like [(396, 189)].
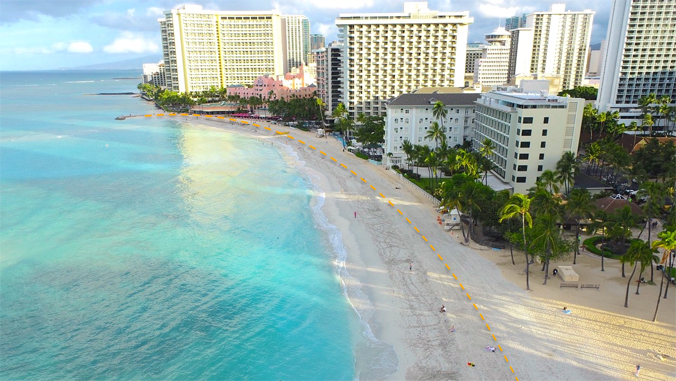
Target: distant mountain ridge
[(131, 64)]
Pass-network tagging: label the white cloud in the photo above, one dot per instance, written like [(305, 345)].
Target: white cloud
[(340, 4), (80, 47), (326, 29), (155, 11), (73, 47), (497, 11), (130, 43)]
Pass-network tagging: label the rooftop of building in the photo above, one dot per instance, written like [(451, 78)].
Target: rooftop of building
[(514, 96), (427, 99), (412, 11)]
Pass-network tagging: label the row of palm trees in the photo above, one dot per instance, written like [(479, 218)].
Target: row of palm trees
[(542, 212), (656, 110)]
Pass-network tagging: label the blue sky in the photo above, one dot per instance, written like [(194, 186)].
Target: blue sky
[(50, 34)]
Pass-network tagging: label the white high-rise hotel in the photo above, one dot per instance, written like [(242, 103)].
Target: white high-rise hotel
[(297, 30), (491, 68), (553, 42), (639, 57), (204, 48), (389, 54)]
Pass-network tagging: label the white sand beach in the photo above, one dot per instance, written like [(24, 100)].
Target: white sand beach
[(599, 340)]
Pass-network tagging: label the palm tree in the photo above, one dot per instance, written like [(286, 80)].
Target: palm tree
[(519, 205), (439, 111), (633, 126), (593, 155), (648, 121), (580, 205), (432, 162), (589, 117), (466, 161), (543, 202), (601, 221), (549, 179), (408, 151), (622, 221), (655, 194), (471, 193), (667, 242), (487, 148), (435, 133), (663, 109), (639, 252), (567, 168), (547, 236), (453, 200)]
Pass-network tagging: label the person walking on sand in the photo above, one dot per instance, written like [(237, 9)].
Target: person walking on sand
[(355, 214), (638, 369), (410, 266)]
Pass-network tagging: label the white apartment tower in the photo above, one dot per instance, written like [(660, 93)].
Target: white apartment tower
[(220, 48), (491, 69), (409, 117), (639, 57), (553, 42), (389, 54), (530, 131), (297, 29), (473, 53)]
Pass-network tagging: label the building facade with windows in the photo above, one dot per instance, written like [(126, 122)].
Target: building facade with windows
[(530, 132), (154, 74), (297, 29), (389, 54), (639, 56), (329, 62), (474, 52), (409, 118), (553, 42), (491, 69), (204, 48)]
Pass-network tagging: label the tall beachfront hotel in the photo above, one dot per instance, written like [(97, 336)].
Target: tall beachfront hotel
[(553, 42), (639, 57), (389, 54), (220, 48), (297, 29)]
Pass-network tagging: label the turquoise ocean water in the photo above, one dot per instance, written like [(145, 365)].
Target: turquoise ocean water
[(148, 249)]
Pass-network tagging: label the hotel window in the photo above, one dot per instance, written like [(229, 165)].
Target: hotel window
[(520, 179), (539, 168), (546, 121), (518, 131), (543, 144), (525, 145), (544, 132), (526, 132), (522, 156), (542, 156), (522, 168), (519, 119), (528, 120)]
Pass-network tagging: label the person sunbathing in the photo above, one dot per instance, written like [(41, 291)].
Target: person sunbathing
[(443, 308), (566, 310)]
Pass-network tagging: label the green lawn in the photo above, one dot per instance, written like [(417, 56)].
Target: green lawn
[(426, 184)]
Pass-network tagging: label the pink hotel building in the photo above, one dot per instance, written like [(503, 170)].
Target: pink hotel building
[(300, 84)]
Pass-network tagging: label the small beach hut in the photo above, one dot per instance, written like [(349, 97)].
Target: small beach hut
[(452, 220)]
